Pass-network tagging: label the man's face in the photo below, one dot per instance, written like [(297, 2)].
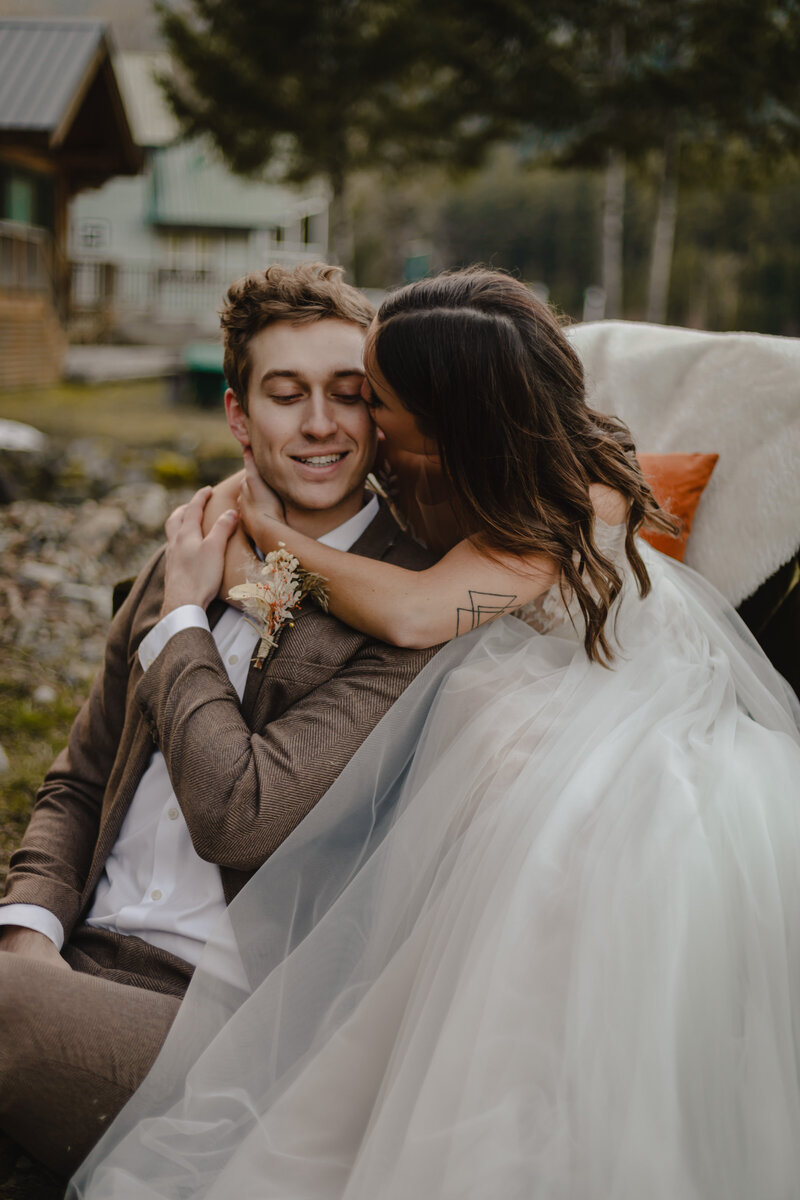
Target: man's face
[(308, 427)]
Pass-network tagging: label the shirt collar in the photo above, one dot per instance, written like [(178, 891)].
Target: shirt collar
[(347, 534)]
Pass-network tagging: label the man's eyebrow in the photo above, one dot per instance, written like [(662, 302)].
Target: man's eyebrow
[(278, 373), (281, 373)]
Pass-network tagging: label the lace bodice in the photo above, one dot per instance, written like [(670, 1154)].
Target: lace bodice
[(549, 614)]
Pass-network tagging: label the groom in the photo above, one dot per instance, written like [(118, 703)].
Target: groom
[(187, 766)]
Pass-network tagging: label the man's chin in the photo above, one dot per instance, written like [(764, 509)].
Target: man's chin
[(319, 498)]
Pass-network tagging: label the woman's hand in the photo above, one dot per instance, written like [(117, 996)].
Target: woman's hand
[(260, 509), (224, 496), (194, 564)]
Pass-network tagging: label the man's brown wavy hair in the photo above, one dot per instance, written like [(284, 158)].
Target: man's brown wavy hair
[(301, 294), (486, 371)]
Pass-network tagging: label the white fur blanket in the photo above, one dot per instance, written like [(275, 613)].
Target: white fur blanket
[(736, 394)]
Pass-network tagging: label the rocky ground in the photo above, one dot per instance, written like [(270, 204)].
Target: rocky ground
[(59, 560)]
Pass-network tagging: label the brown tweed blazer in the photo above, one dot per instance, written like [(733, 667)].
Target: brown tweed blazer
[(244, 775)]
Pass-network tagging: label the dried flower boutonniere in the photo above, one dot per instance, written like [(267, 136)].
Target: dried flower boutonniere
[(274, 587)]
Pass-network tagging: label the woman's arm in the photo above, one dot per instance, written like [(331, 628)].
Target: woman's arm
[(415, 609)]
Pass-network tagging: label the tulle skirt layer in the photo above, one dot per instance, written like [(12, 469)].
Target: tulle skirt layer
[(541, 939)]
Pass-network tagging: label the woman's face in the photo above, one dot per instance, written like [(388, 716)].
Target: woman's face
[(389, 413)]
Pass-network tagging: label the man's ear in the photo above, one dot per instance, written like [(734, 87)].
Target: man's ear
[(238, 421)]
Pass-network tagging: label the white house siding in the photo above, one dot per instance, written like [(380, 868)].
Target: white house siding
[(163, 247), (132, 259)]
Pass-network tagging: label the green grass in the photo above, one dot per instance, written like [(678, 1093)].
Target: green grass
[(31, 735), (135, 414)]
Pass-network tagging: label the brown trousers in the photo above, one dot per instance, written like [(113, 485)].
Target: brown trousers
[(75, 1045)]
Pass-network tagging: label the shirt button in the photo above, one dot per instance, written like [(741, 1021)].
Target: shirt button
[(173, 814), (155, 895), (233, 659)]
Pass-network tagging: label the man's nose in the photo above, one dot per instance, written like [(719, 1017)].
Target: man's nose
[(319, 418)]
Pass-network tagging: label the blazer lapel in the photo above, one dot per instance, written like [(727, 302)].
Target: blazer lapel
[(374, 542)]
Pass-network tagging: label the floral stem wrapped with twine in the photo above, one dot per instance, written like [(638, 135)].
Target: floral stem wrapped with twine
[(274, 588)]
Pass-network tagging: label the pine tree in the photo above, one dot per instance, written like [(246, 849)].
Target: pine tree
[(327, 87), (704, 87)]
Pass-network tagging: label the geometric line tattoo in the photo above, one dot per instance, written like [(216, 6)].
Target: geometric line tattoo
[(482, 606)]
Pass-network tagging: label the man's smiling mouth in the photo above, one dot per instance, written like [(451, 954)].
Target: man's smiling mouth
[(319, 460)]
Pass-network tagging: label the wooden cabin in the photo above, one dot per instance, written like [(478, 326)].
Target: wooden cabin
[(63, 128)]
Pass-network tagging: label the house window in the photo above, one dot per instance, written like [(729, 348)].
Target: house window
[(305, 230), (26, 197), (21, 198), (93, 235)]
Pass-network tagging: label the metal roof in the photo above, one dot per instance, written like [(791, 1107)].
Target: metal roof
[(192, 186), (150, 117), (43, 64)]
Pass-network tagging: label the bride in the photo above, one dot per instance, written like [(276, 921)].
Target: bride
[(542, 937)]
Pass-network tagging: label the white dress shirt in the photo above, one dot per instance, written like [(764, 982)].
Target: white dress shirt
[(154, 884)]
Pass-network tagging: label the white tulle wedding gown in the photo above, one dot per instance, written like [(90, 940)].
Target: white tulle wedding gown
[(541, 940)]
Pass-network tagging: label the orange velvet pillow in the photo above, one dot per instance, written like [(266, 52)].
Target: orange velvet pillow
[(677, 481)]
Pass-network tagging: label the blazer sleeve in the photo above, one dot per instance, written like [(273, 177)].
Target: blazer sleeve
[(52, 863), (242, 792)]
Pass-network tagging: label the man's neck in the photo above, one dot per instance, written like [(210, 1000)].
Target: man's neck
[(314, 523)]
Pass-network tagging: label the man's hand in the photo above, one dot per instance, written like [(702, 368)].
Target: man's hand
[(29, 943), (194, 563)]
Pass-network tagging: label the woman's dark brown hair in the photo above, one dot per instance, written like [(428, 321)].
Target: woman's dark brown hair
[(487, 373)]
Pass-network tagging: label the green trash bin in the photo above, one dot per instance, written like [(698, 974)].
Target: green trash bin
[(204, 379)]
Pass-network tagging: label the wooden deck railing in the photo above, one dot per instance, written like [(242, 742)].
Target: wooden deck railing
[(25, 257)]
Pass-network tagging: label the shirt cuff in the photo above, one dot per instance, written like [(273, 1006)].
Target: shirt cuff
[(33, 916), (188, 616)]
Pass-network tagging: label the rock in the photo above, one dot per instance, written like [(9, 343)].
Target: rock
[(187, 444), (40, 520), (29, 630), (44, 573), (89, 467), (5, 765), (58, 566), (14, 435), (93, 649), (146, 504), (213, 467), (45, 694), (98, 596), (175, 470), (81, 673), (96, 528), (25, 466)]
